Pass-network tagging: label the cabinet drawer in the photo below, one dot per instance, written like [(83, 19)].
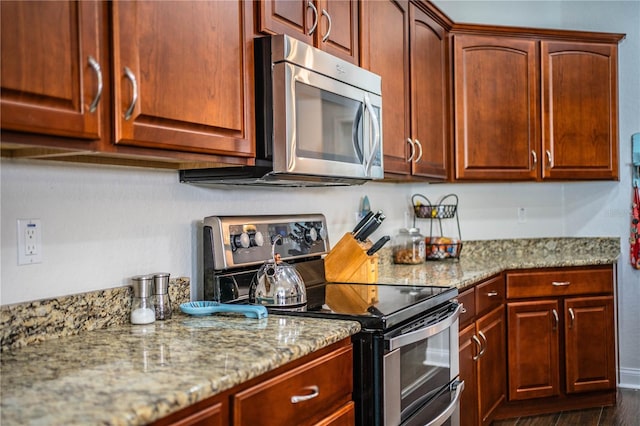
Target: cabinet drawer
[(468, 300), (490, 294), (329, 378), (560, 282)]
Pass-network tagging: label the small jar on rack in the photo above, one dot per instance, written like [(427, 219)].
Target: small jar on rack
[(409, 247)]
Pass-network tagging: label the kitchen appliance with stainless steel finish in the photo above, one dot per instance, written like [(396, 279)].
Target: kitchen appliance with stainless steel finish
[(405, 356), (318, 121)]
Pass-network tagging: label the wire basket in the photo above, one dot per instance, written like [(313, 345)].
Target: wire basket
[(438, 248), (434, 211)]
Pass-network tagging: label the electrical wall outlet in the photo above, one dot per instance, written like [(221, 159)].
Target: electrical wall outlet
[(522, 215), (29, 241)]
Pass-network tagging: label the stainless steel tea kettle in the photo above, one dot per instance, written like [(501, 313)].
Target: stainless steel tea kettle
[(278, 284)]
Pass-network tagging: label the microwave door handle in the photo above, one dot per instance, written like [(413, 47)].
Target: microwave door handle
[(424, 333), (354, 135), (376, 132)]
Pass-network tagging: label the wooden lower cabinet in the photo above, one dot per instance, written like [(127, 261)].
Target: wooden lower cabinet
[(314, 390), (300, 396), (483, 355), (561, 340)]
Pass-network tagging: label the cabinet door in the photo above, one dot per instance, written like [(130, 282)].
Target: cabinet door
[(330, 25), (533, 338), (385, 51), (296, 18), (469, 350), (579, 119), (52, 68), (183, 76), (337, 31), (496, 108), (589, 344), (492, 373), (429, 83)]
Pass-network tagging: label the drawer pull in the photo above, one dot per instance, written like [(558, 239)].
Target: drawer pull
[(572, 316), (96, 68), (479, 345), (556, 320), (560, 283), (134, 92), (315, 391), (484, 345), (492, 293)]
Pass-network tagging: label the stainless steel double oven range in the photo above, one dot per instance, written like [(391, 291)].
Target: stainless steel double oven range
[(406, 355)]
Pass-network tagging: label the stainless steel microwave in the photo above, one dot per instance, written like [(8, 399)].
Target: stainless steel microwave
[(318, 121)]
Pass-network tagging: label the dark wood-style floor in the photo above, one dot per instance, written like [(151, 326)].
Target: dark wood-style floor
[(625, 413)]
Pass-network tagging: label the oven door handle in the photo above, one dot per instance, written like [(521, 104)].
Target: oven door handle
[(426, 332), (446, 414)]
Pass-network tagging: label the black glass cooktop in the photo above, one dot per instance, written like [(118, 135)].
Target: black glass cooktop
[(376, 307)]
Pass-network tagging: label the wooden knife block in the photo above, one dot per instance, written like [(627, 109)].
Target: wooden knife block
[(348, 262)]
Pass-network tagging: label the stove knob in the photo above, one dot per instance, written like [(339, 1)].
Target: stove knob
[(322, 233), (257, 239), (311, 235), (241, 241)]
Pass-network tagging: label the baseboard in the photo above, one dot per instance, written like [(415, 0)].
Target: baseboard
[(629, 378)]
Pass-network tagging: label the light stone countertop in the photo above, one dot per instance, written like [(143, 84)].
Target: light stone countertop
[(482, 259), (131, 375)]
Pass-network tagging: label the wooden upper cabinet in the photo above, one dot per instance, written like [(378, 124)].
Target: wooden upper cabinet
[(183, 76), (407, 47), (52, 68), (496, 108), (429, 102), (330, 25), (385, 51), (579, 119)]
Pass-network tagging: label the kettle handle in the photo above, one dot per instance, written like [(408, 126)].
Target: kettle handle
[(274, 241)]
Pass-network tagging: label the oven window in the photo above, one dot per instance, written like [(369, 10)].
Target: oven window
[(425, 368), (327, 124)]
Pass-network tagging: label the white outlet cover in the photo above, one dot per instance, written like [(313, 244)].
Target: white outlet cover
[(29, 241)]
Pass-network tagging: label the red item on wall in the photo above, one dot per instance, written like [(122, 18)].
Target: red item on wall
[(634, 239)]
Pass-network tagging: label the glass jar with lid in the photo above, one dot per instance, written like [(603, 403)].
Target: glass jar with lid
[(409, 247)]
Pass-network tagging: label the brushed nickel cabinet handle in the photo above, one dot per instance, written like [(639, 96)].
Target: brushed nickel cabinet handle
[(492, 293), (549, 158), (315, 392), (479, 345), (326, 36), (556, 319), (485, 344), (315, 17), (96, 68), (560, 283), (535, 157), (419, 145), (134, 88), (572, 316), (413, 149)]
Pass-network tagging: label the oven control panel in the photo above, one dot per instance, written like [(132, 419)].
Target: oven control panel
[(235, 241)]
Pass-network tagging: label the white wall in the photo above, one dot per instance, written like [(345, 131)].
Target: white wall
[(102, 225)]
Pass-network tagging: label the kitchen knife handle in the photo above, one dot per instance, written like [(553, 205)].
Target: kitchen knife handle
[(378, 245), (363, 222)]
